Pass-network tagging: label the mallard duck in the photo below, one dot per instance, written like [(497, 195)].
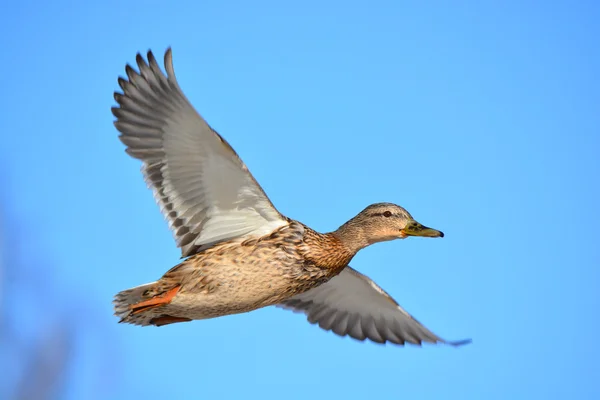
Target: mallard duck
[(238, 252)]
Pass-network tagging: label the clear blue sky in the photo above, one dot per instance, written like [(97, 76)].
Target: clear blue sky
[(482, 119)]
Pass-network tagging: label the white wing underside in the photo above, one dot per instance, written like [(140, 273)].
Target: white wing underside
[(203, 188), (352, 304)]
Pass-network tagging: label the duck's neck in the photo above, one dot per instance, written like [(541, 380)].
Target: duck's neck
[(352, 236), (327, 250)]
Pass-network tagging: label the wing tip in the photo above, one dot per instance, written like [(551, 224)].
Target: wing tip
[(130, 71), (169, 63), (139, 59), (459, 343), (151, 59)]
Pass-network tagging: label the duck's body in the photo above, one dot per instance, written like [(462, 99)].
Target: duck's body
[(240, 253), (238, 276)]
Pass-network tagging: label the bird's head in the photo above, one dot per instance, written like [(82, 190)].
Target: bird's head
[(382, 222)]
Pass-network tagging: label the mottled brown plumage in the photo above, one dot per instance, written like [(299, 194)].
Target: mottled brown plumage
[(240, 253), (243, 275)]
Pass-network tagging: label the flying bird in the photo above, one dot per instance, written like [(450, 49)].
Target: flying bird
[(238, 252)]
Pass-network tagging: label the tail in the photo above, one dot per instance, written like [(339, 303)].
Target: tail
[(126, 300)]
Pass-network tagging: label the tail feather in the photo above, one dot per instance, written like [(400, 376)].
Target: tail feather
[(123, 300)]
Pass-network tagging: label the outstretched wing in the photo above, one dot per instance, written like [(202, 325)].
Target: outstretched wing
[(352, 304), (203, 188)]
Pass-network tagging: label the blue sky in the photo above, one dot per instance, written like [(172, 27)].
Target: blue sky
[(481, 119)]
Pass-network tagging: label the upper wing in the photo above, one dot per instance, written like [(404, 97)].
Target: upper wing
[(203, 188), (352, 304)]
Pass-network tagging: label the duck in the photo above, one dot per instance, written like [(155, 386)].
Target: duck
[(238, 252)]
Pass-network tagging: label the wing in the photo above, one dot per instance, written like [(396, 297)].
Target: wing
[(203, 188), (352, 304)]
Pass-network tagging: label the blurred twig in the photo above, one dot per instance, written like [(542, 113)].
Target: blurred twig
[(37, 366), (38, 334)]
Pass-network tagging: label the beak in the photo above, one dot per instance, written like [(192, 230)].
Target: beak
[(413, 228)]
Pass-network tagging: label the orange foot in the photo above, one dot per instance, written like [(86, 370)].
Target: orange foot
[(156, 301), (167, 319)]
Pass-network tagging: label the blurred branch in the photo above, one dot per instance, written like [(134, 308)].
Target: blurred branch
[(46, 367), (38, 336), (38, 367)]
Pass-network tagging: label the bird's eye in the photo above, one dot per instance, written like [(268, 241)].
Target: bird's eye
[(387, 214)]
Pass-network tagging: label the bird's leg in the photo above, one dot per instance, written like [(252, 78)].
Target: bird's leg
[(167, 319)]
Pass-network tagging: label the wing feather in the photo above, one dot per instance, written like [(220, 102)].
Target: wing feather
[(201, 185), (352, 304)]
